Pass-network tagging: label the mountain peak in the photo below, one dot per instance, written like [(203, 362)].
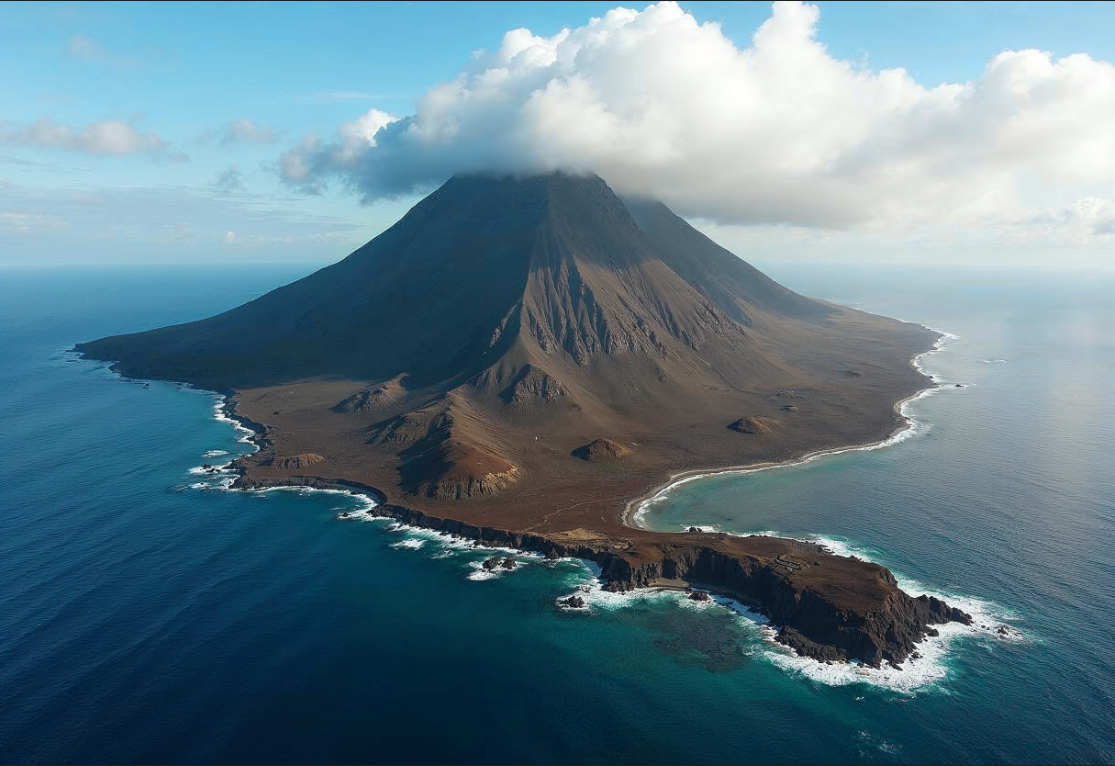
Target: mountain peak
[(554, 263)]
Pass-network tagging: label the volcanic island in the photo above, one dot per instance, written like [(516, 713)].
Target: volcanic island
[(522, 360)]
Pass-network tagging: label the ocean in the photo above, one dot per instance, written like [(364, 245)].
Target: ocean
[(147, 614)]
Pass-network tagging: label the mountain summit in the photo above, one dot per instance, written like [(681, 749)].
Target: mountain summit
[(555, 268)]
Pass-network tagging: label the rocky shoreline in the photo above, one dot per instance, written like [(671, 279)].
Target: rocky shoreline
[(763, 572), (766, 573)]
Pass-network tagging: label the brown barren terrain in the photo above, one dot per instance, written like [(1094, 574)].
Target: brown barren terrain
[(517, 360)]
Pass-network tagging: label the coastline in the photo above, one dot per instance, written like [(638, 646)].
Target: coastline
[(637, 508), (633, 509), (257, 436)]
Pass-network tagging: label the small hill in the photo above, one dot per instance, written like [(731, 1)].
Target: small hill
[(602, 451), (432, 421), (458, 470), (372, 399), (754, 424)]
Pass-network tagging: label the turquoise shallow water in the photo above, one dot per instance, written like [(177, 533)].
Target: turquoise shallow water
[(146, 619)]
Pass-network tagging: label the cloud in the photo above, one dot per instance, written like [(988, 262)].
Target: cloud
[(107, 137), (21, 224), (1081, 220), (25, 163), (99, 223), (85, 48), (305, 166), (229, 181), (778, 132), (241, 131)]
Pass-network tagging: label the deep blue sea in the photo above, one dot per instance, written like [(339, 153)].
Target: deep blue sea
[(147, 615)]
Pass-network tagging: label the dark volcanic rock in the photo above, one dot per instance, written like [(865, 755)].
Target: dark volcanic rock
[(844, 608), (297, 462), (808, 648), (576, 602), (699, 595)]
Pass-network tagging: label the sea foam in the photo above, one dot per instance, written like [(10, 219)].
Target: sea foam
[(916, 674)]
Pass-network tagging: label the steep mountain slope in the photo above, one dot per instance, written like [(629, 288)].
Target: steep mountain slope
[(555, 261), (734, 285)]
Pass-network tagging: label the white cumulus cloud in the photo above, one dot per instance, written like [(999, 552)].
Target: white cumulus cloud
[(240, 131), (306, 166), (777, 132), (111, 137)]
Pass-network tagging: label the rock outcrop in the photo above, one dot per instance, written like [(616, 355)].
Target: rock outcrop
[(534, 384), (372, 399), (827, 607), (458, 470), (431, 421), (754, 424), (297, 462), (602, 451)]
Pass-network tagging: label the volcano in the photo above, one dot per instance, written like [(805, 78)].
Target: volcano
[(505, 322), (530, 356)]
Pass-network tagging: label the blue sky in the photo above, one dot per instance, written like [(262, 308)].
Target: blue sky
[(216, 93)]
